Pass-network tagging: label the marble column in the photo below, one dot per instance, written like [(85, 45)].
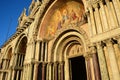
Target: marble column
[(113, 62), (89, 23), (18, 75), (55, 70), (9, 74), (1, 75), (31, 68), (38, 50), (114, 14), (46, 51), (97, 18), (92, 18), (4, 63), (21, 74), (92, 68), (42, 51), (12, 73), (103, 19), (35, 71), (111, 15), (19, 59), (117, 50), (43, 71), (22, 59), (88, 67), (50, 64), (16, 59), (117, 9), (102, 62), (117, 54), (95, 63), (47, 71), (108, 62), (61, 65)]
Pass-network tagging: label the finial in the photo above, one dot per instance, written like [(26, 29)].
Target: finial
[(24, 11)]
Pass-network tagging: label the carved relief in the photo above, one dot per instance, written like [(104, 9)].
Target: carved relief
[(75, 49)]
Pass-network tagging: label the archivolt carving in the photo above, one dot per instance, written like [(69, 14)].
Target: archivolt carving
[(66, 37)]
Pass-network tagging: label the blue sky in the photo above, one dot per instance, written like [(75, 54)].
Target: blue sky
[(10, 11)]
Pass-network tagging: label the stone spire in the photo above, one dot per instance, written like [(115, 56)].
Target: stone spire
[(23, 14), (31, 5)]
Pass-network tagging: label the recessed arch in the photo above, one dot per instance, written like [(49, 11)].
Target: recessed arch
[(22, 41), (9, 52), (68, 44), (65, 38), (5, 63), (20, 52)]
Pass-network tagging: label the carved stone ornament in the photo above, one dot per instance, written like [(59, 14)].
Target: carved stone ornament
[(92, 49)]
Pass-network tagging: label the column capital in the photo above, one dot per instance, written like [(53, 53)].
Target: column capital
[(55, 63), (117, 38), (50, 63), (92, 49), (100, 45), (38, 41), (95, 5), (61, 62), (108, 42), (90, 8), (44, 64), (86, 56), (107, 0)]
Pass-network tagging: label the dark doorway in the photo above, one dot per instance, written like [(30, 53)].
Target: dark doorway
[(77, 68)]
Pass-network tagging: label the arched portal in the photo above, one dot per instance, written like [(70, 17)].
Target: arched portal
[(19, 58), (5, 65), (69, 48)]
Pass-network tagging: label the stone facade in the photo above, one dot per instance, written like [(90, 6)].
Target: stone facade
[(64, 40)]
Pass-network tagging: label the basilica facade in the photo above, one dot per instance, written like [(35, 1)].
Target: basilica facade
[(64, 40)]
